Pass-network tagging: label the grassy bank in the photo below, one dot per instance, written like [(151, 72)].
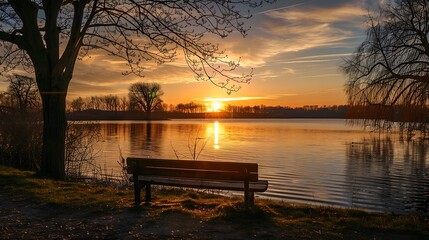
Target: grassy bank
[(176, 213)]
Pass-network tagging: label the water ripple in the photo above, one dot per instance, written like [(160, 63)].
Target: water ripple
[(311, 161)]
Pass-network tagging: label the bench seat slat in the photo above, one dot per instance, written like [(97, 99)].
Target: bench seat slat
[(196, 173), (259, 186)]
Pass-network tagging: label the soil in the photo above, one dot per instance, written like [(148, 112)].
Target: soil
[(24, 219)]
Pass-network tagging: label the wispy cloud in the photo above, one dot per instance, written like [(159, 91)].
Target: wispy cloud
[(283, 8), (334, 55), (324, 75), (300, 27), (306, 61), (288, 94), (229, 99), (342, 13), (327, 90)]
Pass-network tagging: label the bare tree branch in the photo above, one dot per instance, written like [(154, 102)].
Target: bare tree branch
[(391, 67), (46, 37)]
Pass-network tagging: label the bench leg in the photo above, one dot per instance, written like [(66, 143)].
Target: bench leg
[(148, 192), (137, 190), (246, 192), (249, 199)]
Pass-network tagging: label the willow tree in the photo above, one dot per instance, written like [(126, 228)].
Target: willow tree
[(46, 37), (388, 75)]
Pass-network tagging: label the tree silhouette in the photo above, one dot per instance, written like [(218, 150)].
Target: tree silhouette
[(47, 37), (77, 104), (23, 93), (388, 75), (146, 95)]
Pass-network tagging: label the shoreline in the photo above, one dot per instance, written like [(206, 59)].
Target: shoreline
[(94, 115), (47, 209)]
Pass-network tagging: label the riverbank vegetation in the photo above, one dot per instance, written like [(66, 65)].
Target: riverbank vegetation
[(76, 209)]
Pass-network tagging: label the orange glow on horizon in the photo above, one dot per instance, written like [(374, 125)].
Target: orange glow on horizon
[(214, 107)]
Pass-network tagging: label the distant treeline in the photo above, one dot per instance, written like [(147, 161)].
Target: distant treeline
[(22, 96), (229, 112), (108, 104)]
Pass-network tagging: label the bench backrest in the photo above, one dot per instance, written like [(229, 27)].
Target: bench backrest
[(193, 169)]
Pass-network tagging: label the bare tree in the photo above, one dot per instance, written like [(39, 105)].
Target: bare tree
[(123, 104), (20, 128), (47, 37), (95, 103), (111, 102), (388, 75), (180, 107), (23, 93), (77, 104), (147, 96), (4, 99)]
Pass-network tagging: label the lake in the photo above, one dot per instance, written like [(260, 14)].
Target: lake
[(317, 161)]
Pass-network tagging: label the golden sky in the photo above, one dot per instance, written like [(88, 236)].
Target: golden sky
[(296, 48)]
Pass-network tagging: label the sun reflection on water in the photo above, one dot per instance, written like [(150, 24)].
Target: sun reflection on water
[(216, 135)]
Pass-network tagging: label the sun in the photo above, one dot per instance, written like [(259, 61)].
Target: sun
[(216, 107)]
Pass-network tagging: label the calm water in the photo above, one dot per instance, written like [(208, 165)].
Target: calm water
[(313, 161)]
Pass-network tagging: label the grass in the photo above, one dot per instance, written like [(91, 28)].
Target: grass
[(69, 195), (270, 219)]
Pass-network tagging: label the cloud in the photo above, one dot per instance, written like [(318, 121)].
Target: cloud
[(320, 14), (273, 73), (229, 99), (246, 98), (334, 55), (297, 28), (288, 94), (324, 75), (306, 61), (298, 34), (283, 8), (101, 74)]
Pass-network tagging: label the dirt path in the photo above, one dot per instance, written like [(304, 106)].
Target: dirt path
[(23, 219)]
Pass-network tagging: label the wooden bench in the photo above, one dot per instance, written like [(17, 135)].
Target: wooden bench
[(232, 176)]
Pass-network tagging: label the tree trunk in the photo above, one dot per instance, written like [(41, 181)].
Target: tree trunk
[(54, 128)]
